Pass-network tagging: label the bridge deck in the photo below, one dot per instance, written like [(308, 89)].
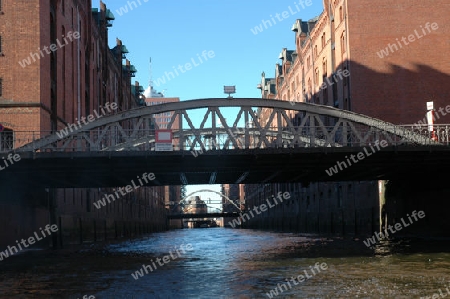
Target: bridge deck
[(111, 169)]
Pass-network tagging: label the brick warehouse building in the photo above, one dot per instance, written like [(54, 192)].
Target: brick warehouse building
[(346, 36), (394, 58), (235, 192), (42, 90)]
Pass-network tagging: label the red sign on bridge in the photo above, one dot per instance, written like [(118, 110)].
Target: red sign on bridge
[(163, 140)]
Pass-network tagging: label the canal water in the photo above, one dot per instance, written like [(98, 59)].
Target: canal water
[(231, 263)]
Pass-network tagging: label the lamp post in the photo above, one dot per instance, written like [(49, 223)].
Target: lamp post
[(229, 90)]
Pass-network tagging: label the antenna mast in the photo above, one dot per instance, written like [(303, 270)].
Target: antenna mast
[(150, 81)]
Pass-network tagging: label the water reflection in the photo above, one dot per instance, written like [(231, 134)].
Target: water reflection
[(227, 263)]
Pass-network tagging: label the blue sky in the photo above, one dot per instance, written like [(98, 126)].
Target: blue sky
[(172, 33)]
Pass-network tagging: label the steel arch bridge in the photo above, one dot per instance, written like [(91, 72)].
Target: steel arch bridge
[(181, 213), (285, 124)]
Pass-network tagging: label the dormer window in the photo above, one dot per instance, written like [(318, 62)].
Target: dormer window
[(123, 51), (109, 16)]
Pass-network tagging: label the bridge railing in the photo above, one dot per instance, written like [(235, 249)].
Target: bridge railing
[(16, 139), (235, 138)]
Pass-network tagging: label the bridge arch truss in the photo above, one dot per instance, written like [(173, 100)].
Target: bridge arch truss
[(208, 124)]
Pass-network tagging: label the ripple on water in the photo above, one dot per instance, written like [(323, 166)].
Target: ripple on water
[(227, 263)]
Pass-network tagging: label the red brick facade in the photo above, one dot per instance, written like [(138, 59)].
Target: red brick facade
[(52, 88), (55, 86), (349, 35), (341, 49), (162, 120), (395, 88)]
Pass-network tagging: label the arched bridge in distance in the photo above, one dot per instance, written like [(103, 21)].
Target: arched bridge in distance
[(261, 141), (194, 211)]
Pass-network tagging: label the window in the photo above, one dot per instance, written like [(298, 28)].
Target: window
[(339, 197), (6, 140), (309, 88), (64, 79), (341, 14), (317, 75), (309, 61), (1, 87), (99, 55), (1, 6), (315, 50), (345, 77), (324, 77), (323, 40), (343, 42)]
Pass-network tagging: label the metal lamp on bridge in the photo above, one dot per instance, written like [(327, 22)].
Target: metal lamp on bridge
[(229, 90)]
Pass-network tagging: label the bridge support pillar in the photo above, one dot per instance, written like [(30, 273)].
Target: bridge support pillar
[(53, 218), (429, 194)]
